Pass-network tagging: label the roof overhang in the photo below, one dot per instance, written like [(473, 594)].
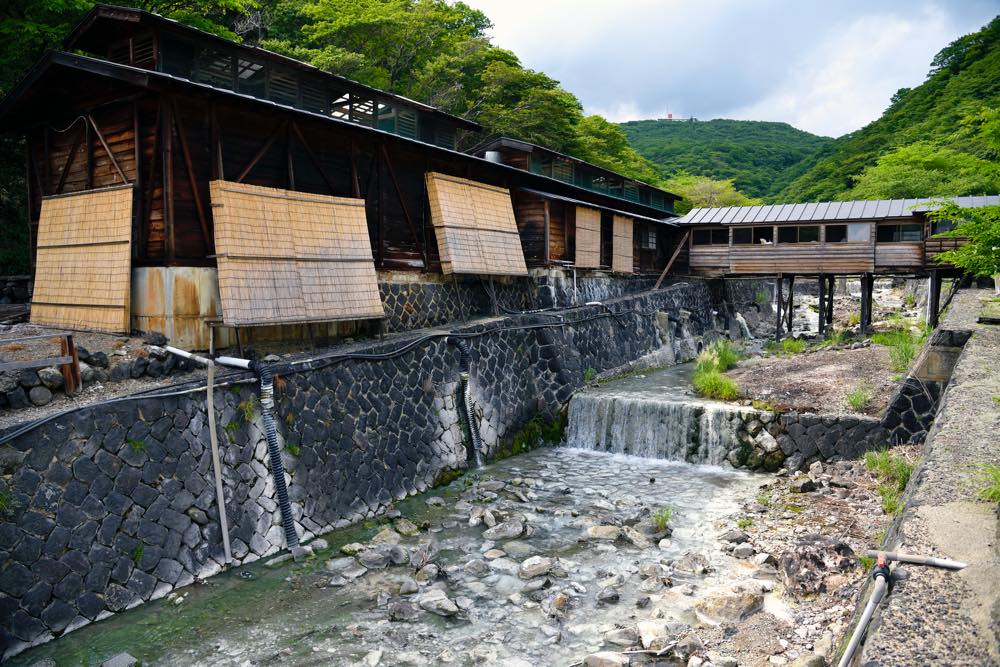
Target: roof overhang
[(155, 82), (615, 211)]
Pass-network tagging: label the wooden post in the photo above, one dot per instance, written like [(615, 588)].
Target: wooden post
[(791, 300), (545, 256), (866, 302), (168, 179), (821, 325), (831, 288), (779, 307), (933, 298), (71, 371)]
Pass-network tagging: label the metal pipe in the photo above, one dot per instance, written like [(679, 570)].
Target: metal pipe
[(919, 560), (881, 576)]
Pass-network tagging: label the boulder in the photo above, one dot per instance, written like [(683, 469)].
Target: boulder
[(385, 536), (436, 602), (40, 396), (506, 530), (605, 659), (693, 563), (652, 634), (731, 607), (801, 484), (636, 538), (734, 535), (535, 566), (805, 567), (608, 533), (406, 527), (51, 377), (743, 550)]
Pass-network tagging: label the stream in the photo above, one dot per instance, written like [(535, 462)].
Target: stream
[(335, 613)]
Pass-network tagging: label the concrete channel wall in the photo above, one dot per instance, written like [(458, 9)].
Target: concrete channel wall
[(113, 505)]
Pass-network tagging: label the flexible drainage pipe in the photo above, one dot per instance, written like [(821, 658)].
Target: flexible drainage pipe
[(263, 373), (274, 453), (464, 365)]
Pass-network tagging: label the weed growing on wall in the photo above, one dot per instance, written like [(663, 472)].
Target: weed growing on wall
[(988, 479)]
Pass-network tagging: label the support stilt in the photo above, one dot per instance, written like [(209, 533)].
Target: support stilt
[(791, 300), (822, 304), (831, 288), (867, 283), (933, 298), (779, 307)]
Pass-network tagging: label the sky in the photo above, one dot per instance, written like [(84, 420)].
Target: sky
[(825, 66)]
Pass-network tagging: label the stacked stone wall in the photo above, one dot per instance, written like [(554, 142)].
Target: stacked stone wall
[(114, 504)]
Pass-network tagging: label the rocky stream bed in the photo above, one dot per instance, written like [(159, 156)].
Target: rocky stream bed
[(549, 558)]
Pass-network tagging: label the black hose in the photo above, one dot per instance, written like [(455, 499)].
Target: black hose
[(274, 452), (465, 357)]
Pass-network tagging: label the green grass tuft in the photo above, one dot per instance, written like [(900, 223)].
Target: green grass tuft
[(708, 379), (589, 375), (661, 518), (137, 553), (293, 448), (247, 409), (859, 397), (744, 522), (762, 297), (866, 562), (988, 476), (903, 345), (893, 472), (764, 497), (136, 445)]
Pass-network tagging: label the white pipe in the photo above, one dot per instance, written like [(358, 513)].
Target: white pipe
[(235, 362), (220, 497), (920, 560), (877, 594)]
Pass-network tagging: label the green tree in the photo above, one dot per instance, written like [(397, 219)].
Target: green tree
[(980, 255), (605, 144), (925, 170), (705, 192)]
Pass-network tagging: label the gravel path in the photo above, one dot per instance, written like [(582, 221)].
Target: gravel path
[(935, 616)]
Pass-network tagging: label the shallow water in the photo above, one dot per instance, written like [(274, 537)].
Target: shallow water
[(290, 615)]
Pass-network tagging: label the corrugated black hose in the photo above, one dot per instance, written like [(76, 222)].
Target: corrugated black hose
[(464, 364), (274, 452)]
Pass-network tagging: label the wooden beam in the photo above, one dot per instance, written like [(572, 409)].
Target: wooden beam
[(831, 288), (319, 165), (670, 262), (546, 235), (934, 298), (168, 182), (47, 164), (69, 162), (192, 180), (402, 204), (260, 153), (154, 159), (107, 149), (137, 194), (354, 170), (90, 157), (288, 157), (791, 301)]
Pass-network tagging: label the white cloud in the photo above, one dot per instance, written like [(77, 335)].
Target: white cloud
[(828, 68)]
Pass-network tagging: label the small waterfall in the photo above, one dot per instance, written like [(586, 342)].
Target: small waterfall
[(692, 431)]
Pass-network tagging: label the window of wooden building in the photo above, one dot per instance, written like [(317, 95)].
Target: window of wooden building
[(905, 233), (710, 237), (753, 235), (852, 233), (647, 237), (805, 234)]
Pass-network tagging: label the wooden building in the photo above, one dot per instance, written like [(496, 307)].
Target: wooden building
[(861, 238), (335, 183), (851, 237)]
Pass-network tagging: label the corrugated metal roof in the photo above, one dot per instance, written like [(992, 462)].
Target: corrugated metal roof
[(860, 209)]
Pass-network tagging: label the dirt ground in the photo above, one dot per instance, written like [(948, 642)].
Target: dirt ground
[(818, 381)]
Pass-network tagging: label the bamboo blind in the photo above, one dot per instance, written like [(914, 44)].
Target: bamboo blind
[(292, 257), (588, 238), (475, 227), (621, 246), (83, 265)]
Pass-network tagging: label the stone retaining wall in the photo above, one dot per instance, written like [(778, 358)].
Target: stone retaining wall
[(113, 505)]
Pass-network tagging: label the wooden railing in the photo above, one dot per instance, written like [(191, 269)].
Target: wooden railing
[(68, 361)]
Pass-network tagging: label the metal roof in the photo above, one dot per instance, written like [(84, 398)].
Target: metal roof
[(578, 202), (861, 209)]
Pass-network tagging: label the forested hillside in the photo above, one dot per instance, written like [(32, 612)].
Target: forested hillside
[(928, 142), (760, 157)]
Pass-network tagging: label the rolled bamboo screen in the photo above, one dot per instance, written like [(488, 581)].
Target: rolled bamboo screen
[(621, 246), (475, 227), (291, 257), (83, 265), (588, 238)]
